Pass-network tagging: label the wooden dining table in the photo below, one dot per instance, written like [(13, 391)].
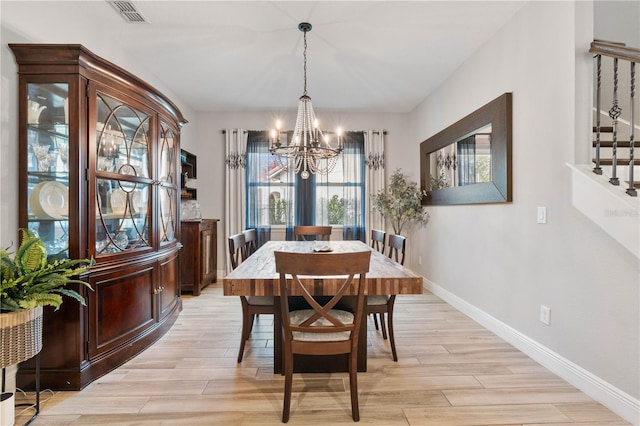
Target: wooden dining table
[(257, 276)]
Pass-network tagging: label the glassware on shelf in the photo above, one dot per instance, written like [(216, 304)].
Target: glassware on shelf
[(64, 155), (42, 154), (53, 161)]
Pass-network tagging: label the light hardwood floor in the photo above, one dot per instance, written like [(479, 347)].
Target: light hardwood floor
[(451, 372)]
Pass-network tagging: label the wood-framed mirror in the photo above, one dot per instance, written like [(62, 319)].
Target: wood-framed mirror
[(469, 162)]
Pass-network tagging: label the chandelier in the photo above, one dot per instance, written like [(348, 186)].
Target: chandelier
[(309, 150)]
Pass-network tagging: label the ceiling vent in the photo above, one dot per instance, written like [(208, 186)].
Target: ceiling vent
[(129, 12)]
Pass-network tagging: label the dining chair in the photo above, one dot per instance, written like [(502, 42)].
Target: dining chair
[(250, 242), (237, 244), (377, 239), (321, 233), (251, 305), (321, 330), (384, 303), (377, 243)]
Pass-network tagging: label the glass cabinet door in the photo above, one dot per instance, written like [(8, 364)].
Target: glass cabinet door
[(168, 189), (47, 164), (123, 177)]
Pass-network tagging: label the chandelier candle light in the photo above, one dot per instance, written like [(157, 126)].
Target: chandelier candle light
[(309, 149)]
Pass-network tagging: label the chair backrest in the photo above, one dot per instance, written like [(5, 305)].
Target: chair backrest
[(250, 242), (397, 244), (236, 249), (302, 233), (343, 267), (377, 240)]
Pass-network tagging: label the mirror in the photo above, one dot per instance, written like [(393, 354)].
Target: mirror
[(469, 162)]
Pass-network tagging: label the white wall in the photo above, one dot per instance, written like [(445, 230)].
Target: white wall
[(495, 257), (617, 21)]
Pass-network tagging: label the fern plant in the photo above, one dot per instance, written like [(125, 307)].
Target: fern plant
[(29, 279)]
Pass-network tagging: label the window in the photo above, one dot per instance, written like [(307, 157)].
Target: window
[(278, 197)]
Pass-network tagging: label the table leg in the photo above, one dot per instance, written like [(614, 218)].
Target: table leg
[(277, 337)]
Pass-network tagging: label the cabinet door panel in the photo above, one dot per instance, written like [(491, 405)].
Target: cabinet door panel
[(168, 184), (47, 154), (121, 307), (122, 167), (169, 284), (209, 255), (122, 138), (190, 257), (122, 217)]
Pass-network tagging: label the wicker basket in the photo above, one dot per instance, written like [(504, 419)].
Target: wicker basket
[(20, 335)]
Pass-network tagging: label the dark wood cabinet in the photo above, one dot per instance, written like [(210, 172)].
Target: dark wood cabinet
[(99, 178), (199, 254)]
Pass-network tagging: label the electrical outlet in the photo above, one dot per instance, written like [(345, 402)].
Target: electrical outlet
[(419, 260), (545, 315)]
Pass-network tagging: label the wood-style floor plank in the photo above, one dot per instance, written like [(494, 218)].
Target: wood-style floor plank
[(451, 371)]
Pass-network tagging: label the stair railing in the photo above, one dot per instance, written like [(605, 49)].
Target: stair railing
[(632, 56)]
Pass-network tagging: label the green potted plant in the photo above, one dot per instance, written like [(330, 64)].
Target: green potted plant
[(401, 202), (27, 283), (29, 280)]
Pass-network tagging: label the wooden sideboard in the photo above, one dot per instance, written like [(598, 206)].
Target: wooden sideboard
[(198, 257)]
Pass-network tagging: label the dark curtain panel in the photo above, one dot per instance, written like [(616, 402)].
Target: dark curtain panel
[(354, 190), (467, 161), (306, 200), (258, 191)]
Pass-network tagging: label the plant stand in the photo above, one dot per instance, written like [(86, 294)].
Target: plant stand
[(20, 340)]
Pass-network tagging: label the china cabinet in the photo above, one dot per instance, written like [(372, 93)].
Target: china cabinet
[(199, 254), (98, 164)]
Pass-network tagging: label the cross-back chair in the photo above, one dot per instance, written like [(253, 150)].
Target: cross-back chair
[(251, 305), (250, 242), (384, 304), (304, 233), (321, 330)]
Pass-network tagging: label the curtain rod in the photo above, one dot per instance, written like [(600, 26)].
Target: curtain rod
[(224, 131)]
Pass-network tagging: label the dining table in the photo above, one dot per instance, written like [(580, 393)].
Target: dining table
[(257, 276)]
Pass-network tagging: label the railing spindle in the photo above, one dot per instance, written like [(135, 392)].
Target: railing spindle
[(597, 169), (614, 113), (632, 189)]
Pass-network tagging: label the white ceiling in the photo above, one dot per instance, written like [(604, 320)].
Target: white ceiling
[(382, 56)]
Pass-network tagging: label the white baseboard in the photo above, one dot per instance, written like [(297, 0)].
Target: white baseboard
[(608, 395)]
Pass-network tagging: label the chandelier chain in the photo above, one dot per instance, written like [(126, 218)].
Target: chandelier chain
[(305, 62)]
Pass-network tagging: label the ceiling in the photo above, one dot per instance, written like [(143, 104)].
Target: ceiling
[(369, 56)]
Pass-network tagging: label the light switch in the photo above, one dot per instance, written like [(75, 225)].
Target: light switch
[(542, 215)]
